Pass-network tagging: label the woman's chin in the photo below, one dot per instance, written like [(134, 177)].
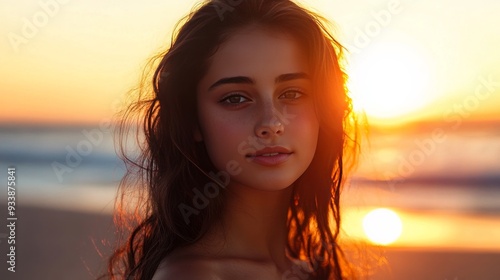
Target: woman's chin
[(268, 184)]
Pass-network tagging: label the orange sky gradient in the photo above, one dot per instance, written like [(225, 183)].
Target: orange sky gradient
[(73, 61), (435, 63)]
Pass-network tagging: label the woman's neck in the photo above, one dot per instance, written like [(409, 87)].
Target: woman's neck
[(253, 226)]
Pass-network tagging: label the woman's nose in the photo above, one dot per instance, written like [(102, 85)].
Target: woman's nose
[(269, 125)]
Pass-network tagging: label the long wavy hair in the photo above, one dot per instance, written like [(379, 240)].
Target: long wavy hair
[(169, 163)]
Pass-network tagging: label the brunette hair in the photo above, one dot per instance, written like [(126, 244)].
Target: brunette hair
[(170, 163)]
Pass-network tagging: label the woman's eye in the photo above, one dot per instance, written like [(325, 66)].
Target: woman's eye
[(291, 94), (234, 99)]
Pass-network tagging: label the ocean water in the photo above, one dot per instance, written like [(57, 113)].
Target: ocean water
[(61, 166), (60, 156), (446, 190), (76, 166)]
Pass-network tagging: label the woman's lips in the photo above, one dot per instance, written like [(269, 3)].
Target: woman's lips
[(270, 156), (270, 160)]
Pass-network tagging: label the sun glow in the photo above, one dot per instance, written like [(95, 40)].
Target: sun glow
[(382, 226), (389, 80)]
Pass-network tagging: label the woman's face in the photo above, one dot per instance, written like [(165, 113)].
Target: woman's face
[(256, 110)]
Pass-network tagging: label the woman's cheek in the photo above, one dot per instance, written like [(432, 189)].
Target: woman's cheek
[(223, 140)]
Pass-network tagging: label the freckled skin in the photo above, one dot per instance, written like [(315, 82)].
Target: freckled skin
[(247, 122)]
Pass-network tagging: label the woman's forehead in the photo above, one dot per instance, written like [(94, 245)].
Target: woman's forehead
[(256, 53)]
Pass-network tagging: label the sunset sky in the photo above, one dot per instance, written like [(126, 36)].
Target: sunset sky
[(72, 61), (435, 62)]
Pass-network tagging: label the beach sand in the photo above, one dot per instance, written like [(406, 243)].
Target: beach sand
[(61, 244), (57, 244)]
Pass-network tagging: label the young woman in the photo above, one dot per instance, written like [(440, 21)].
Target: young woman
[(246, 132)]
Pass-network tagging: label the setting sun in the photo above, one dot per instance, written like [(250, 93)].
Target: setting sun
[(382, 226), (389, 80)]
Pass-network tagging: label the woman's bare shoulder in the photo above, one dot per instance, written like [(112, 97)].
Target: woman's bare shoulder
[(194, 265), (186, 267), (186, 270)]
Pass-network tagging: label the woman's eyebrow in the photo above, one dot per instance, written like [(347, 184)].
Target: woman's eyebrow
[(246, 80), (232, 80), (291, 76)]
